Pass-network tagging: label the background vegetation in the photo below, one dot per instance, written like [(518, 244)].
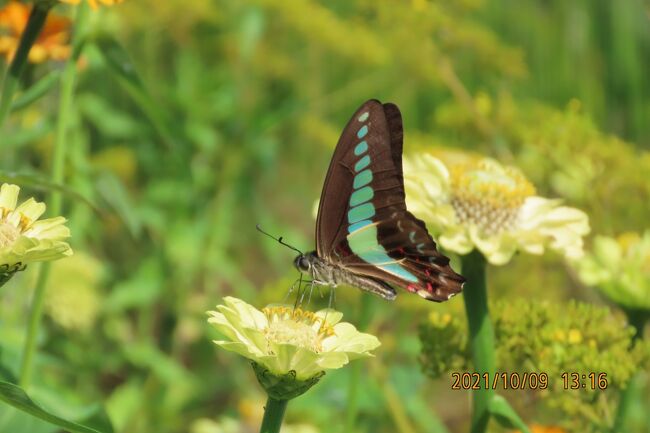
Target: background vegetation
[(195, 120)]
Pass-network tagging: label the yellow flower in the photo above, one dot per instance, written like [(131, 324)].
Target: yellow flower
[(23, 238), (94, 3), (575, 336), (51, 43), (72, 299), (473, 202), (283, 339), (619, 268)]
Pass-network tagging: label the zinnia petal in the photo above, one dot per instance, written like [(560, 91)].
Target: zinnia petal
[(8, 196)]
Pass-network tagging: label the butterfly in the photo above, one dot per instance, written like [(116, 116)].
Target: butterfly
[(365, 236)]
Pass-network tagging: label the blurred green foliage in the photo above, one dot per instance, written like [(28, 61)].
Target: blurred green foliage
[(195, 120)]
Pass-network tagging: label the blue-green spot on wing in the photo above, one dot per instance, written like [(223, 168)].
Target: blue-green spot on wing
[(363, 225)]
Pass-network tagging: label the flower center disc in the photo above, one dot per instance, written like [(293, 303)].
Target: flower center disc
[(488, 195), (296, 327), (8, 234), (290, 332)]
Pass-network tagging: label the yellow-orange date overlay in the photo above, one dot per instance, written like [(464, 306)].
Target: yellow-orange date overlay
[(527, 380)]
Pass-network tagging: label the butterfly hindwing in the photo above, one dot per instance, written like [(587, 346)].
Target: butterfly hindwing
[(363, 224)]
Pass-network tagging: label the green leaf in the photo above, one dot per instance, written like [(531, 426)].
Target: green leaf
[(25, 137), (119, 63), (115, 195), (112, 123), (161, 364), (506, 415), (15, 421), (42, 183), (16, 397), (5, 372), (426, 419), (36, 91), (141, 289)]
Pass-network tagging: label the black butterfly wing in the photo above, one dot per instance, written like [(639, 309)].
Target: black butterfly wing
[(331, 222), (362, 221), (415, 263)]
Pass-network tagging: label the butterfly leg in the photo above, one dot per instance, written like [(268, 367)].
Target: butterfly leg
[(320, 291), (332, 297), (311, 290), (301, 294), (298, 297), (291, 289)]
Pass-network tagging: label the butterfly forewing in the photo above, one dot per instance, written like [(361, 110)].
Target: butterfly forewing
[(362, 155), (363, 224)]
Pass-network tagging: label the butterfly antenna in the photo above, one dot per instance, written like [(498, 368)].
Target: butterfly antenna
[(259, 229)]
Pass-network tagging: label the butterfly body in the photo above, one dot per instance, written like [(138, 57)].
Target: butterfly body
[(326, 273), (365, 236)]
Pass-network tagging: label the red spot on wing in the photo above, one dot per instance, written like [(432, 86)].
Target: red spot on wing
[(429, 287), (412, 288)]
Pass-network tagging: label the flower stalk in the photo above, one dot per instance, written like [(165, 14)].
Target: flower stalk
[(273, 415), (481, 333), (58, 162), (34, 26), (637, 320), (352, 409)]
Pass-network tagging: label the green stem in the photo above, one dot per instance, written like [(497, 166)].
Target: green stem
[(58, 159), (352, 408), (631, 393), (273, 415), (35, 315), (481, 335), (55, 204), (33, 28)]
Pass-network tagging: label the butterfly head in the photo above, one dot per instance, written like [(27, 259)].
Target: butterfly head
[(304, 262)]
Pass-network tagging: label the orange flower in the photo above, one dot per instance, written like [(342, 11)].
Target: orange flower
[(52, 42), (93, 3), (536, 428)]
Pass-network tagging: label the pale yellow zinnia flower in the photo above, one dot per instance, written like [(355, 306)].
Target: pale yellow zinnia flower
[(25, 239), (472, 202), (619, 268), (284, 339)]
